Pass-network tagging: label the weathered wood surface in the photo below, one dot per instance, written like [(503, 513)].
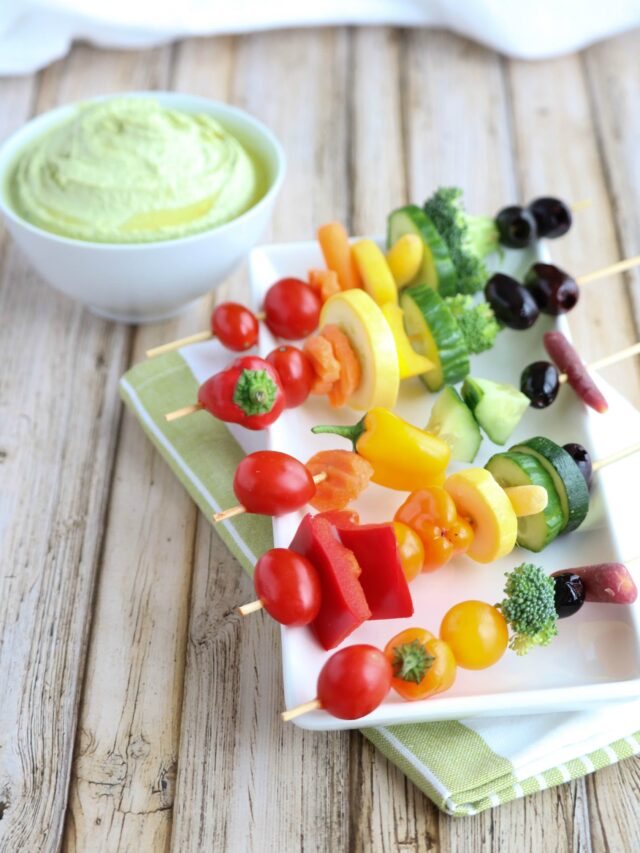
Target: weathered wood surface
[(136, 713)]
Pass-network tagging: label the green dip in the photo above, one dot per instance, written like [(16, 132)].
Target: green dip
[(128, 170)]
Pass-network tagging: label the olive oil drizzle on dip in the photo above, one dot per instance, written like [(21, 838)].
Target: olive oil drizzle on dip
[(127, 170)]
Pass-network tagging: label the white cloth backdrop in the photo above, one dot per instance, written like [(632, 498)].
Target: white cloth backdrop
[(34, 33)]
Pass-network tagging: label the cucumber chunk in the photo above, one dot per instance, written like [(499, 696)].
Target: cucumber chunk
[(452, 420), (437, 269), (434, 333), (535, 532), (569, 482), (497, 407)]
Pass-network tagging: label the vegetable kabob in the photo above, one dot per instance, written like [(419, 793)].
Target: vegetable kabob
[(291, 310), (473, 635), (390, 452)]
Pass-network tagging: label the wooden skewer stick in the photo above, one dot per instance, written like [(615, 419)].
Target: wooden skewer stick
[(182, 342), (299, 710), (627, 352), (239, 509), (185, 410), (251, 607), (580, 205), (616, 457), (612, 269), (190, 339)]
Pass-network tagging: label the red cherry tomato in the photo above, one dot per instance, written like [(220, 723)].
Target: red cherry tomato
[(288, 586), (292, 309), (235, 326), (354, 681), (272, 483), (296, 374)]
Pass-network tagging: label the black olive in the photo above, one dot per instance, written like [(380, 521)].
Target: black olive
[(581, 457), (553, 217), (512, 303), (554, 290), (516, 226), (540, 382), (569, 594)]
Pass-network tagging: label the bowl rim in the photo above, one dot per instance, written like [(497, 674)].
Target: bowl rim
[(10, 147)]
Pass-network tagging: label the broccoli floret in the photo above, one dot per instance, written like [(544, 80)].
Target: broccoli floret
[(468, 238), (477, 323), (529, 607)]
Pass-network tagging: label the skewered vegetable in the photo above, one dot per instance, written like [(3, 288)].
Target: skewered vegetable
[(512, 303), (529, 608), (517, 227), (346, 475), (422, 665), (435, 334), (343, 604), (247, 392), (403, 457), (453, 421), (496, 406), (606, 583), (436, 269), (553, 289), (477, 322), (476, 633), (288, 587), (433, 515), (469, 239), (484, 504)]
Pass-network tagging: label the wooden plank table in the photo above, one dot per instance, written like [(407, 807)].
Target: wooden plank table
[(135, 712)]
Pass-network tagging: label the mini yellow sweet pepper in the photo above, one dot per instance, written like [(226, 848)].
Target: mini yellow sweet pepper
[(403, 457)]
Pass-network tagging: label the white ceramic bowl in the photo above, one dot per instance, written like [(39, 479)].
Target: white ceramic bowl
[(145, 282)]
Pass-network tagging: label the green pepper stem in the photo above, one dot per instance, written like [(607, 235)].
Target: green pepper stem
[(255, 392), (352, 433)]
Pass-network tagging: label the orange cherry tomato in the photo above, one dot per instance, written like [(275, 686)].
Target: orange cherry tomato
[(410, 548), (422, 665), (432, 514), (477, 633)]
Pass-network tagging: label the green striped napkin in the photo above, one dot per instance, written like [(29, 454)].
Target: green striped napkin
[(463, 767)]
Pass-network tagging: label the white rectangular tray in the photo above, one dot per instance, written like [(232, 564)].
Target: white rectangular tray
[(596, 657)]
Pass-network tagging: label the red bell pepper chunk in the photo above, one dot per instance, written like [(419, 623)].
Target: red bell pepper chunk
[(376, 549), (344, 606)]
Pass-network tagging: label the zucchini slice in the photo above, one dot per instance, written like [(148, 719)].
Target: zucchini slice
[(434, 333), (437, 269), (569, 482), (537, 531)]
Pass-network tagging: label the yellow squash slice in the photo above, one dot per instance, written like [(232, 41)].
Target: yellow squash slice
[(362, 321), (480, 500)]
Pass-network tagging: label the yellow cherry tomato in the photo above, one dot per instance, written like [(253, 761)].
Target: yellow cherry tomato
[(410, 548), (477, 633)]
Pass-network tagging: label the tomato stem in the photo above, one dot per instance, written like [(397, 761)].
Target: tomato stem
[(411, 661)]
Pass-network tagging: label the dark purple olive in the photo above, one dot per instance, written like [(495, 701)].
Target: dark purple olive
[(516, 226), (569, 594), (512, 303), (581, 457), (553, 217), (553, 289), (540, 382)]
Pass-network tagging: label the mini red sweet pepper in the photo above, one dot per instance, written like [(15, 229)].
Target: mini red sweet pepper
[(248, 392)]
